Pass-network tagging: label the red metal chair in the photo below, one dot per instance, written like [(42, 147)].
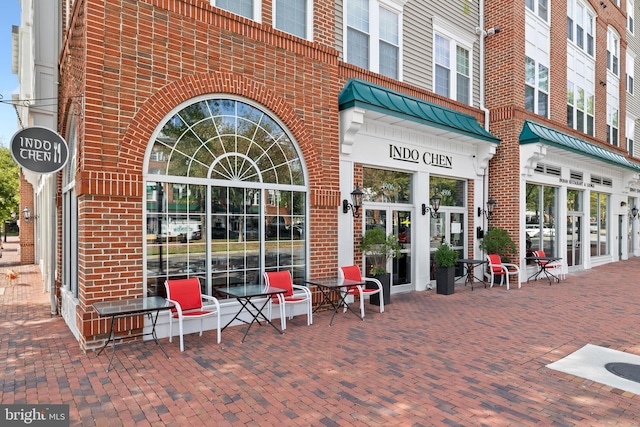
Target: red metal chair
[(185, 294), (556, 266), (352, 272), (296, 294), (497, 268)]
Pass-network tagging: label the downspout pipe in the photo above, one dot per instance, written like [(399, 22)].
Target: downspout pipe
[(482, 34)]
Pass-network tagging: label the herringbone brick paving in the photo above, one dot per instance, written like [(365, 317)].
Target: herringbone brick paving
[(474, 358)]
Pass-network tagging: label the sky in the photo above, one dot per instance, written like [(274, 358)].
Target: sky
[(8, 81)]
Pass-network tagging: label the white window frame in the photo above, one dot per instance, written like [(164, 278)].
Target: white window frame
[(613, 130), (630, 130), (613, 52), (308, 27), (537, 89), (257, 10), (631, 16), (540, 8), (395, 6), (584, 108), (457, 38), (581, 15), (629, 68)]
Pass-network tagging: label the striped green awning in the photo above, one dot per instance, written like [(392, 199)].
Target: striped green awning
[(533, 132), (369, 96)]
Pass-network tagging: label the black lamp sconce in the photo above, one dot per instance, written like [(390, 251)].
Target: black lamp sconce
[(633, 213), (356, 202), (433, 209), (26, 214), (491, 204)]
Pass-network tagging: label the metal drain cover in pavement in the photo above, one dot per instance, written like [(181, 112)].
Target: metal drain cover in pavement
[(628, 371)]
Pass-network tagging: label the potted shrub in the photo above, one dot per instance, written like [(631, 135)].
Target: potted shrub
[(378, 248), (498, 241), (446, 260)]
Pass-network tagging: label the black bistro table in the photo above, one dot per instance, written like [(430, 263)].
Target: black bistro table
[(245, 294), (130, 308), (326, 285), (470, 265), (543, 262)]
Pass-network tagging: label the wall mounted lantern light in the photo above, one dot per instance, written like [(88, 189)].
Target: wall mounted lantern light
[(356, 202), (435, 205), (491, 204), (26, 214), (634, 212)]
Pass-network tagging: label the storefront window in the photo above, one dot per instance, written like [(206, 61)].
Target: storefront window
[(541, 214), (451, 191), (386, 186), (225, 198), (598, 227)]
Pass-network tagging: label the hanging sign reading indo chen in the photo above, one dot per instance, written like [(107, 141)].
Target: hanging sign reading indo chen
[(39, 150)]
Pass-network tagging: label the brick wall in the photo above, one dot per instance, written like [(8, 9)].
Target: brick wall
[(27, 235), (128, 63), (505, 53)]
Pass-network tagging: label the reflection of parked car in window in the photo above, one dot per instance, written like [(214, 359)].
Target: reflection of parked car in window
[(533, 231), (219, 231), (278, 227)]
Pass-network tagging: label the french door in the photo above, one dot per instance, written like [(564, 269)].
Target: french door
[(447, 227), (397, 222), (574, 240)]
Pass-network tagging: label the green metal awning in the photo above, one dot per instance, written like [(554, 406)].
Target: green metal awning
[(533, 132), (369, 96)]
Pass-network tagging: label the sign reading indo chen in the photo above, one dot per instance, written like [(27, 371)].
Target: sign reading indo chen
[(39, 150)]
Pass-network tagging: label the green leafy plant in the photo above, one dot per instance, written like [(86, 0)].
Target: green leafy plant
[(497, 241), (445, 256), (378, 248)]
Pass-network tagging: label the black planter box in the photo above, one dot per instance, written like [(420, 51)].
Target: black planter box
[(445, 280), (385, 279)]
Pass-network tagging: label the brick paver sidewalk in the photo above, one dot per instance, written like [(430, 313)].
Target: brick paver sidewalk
[(474, 358)]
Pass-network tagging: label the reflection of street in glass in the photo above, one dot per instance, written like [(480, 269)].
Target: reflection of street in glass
[(225, 256)]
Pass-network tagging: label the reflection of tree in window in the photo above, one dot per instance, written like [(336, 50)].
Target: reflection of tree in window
[(386, 186), (451, 191)]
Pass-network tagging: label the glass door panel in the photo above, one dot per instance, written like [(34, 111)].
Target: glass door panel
[(374, 218), (574, 240), (402, 264), (448, 227), (457, 236)]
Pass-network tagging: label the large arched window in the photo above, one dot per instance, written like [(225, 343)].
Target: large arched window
[(226, 196)]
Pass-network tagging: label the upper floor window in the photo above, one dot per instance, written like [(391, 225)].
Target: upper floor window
[(630, 15), (629, 67), (580, 109), (630, 131), (580, 25), (452, 70), (539, 7), (613, 125), (247, 8), (373, 31), (452, 62), (613, 52), (536, 87), (294, 17)]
